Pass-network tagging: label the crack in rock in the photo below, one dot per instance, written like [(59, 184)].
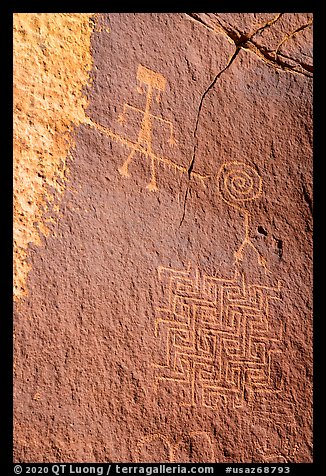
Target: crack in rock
[(192, 162), (266, 25), (272, 58), (242, 41), (288, 36)]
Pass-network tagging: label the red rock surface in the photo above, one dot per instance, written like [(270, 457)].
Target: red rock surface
[(169, 318)]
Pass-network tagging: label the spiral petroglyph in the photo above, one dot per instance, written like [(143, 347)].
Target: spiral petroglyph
[(239, 183)]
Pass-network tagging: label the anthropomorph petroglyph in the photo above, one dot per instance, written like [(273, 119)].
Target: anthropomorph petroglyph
[(155, 84), (152, 84), (238, 184)]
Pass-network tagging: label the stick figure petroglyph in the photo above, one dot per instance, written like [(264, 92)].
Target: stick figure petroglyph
[(238, 184), (155, 83), (152, 84)]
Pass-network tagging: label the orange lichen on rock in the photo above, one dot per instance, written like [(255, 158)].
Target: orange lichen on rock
[(52, 61)]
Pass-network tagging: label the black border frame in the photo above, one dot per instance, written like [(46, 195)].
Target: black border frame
[(7, 9)]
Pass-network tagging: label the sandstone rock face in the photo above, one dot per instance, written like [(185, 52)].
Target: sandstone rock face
[(48, 104), (168, 312)]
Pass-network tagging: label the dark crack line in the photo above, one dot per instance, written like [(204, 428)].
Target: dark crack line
[(240, 41), (231, 30), (278, 63), (191, 166), (306, 66), (247, 43), (184, 205), (233, 34), (292, 34), (194, 17), (282, 57), (267, 25), (192, 162), (275, 60)]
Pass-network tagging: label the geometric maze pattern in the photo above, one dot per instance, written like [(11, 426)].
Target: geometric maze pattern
[(222, 337)]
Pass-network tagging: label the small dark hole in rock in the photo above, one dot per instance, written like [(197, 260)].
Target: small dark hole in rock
[(262, 231), (191, 449), (280, 248)]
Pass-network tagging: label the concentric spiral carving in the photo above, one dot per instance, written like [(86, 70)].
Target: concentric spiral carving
[(239, 183)]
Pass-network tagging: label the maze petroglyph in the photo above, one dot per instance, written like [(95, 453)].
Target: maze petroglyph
[(222, 337), (152, 84)]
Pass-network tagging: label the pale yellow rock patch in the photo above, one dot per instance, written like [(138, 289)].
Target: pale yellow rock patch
[(52, 61)]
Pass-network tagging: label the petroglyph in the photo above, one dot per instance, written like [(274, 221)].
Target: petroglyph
[(221, 336), (152, 84), (238, 184), (151, 446), (155, 82)]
